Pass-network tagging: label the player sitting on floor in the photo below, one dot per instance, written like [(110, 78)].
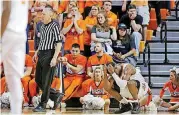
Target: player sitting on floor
[(97, 97), (173, 86), (126, 84)]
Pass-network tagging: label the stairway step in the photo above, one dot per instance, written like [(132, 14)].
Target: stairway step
[(155, 72), (158, 61), (162, 45), (163, 50), (158, 68), (161, 56), (168, 38), (169, 34)]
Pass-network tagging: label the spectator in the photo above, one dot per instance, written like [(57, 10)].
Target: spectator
[(157, 5), (119, 7), (73, 30), (142, 10), (64, 5), (89, 4), (98, 59), (90, 21), (95, 93), (66, 14), (112, 18), (134, 24), (25, 79), (75, 70), (124, 47), (103, 33)]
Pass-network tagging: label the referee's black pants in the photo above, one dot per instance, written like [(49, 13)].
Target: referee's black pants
[(44, 74)]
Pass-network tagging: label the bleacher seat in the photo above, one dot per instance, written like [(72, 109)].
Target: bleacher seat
[(149, 34), (163, 13)]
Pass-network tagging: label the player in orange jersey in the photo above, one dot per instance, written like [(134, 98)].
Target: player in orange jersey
[(75, 70), (95, 95), (173, 87)]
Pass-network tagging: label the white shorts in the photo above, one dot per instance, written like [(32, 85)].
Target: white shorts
[(144, 12), (13, 52), (142, 91)]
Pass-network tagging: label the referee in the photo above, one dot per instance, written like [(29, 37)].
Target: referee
[(47, 53)]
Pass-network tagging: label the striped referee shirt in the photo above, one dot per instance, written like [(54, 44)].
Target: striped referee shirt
[(49, 36)]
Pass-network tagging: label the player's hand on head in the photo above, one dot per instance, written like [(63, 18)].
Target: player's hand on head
[(110, 69)]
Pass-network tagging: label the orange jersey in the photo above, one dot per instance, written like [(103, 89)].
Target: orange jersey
[(72, 36), (113, 17), (94, 60), (87, 35), (28, 61), (98, 90), (64, 4), (90, 3), (79, 60), (173, 89)]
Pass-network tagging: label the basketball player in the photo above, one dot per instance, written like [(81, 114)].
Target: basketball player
[(96, 97), (128, 85), (14, 22), (173, 87)]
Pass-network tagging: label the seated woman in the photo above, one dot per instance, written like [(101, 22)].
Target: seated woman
[(103, 33), (124, 47), (95, 95), (173, 86)]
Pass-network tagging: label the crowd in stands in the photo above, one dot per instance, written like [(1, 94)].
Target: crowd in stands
[(94, 33)]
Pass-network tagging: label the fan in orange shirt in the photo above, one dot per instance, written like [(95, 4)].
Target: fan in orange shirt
[(89, 4), (173, 88), (90, 21), (100, 58), (63, 6), (33, 86), (73, 30), (112, 18), (25, 79), (96, 89), (75, 70)]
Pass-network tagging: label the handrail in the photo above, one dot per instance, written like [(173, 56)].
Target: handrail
[(176, 9), (163, 25), (147, 46), (164, 39)]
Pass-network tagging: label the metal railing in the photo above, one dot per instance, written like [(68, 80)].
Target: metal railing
[(147, 63), (164, 39)]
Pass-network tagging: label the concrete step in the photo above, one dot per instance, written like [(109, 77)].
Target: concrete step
[(173, 13), (163, 50), (153, 61), (168, 38), (158, 68), (155, 72), (172, 27), (157, 91), (161, 56), (169, 34), (162, 45), (157, 80), (172, 23)]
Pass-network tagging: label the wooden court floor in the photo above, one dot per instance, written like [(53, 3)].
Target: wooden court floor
[(80, 111)]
